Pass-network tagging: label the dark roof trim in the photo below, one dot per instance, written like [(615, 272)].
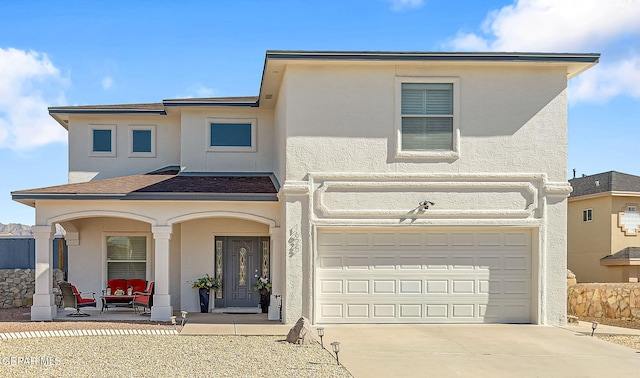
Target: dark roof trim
[(271, 175), (433, 56), (251, 102), (152, 196), (106, 111)]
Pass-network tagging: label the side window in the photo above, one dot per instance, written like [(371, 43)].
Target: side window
[(587, 215), (126, 257), (142, 141), (231, 135), (427, 117), (102, 140)]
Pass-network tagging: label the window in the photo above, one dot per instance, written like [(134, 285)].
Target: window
[(142, 141), (427, 117), (126, 257), (587, 215), (231, 135), (102, 140)]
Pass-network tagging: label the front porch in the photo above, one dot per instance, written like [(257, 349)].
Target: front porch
[(176, 255)]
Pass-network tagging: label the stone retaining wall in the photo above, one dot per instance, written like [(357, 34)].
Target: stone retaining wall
[(18, 285), (604, 300)]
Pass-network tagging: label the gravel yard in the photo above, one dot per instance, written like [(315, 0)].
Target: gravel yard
[(153, 355)]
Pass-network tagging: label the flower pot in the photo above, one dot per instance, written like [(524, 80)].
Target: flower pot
[(204, 300), (265, 299)]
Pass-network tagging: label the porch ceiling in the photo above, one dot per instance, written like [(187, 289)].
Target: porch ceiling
[(149, 187)]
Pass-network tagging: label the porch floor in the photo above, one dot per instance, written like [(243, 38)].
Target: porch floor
[(231, 321)]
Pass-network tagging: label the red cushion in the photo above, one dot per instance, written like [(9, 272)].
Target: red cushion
[(75, 291), (85, 300), (116, 284), (137, 284)]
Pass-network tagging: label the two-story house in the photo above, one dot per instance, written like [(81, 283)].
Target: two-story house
[(370, 187), (603, 233)]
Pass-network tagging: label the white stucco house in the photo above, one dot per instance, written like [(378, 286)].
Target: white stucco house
[(370, 187)]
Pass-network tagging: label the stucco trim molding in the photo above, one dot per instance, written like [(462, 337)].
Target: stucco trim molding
[(222, 214), (100, 213), (557, 189), (455, 190)]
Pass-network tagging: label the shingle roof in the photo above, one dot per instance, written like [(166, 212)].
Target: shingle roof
[(611, 181), (163, 186), (625, 254)]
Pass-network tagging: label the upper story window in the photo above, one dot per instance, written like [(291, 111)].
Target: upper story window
[(587, 215), (102, 140), (427, 117), (231, 135), (142, 141)]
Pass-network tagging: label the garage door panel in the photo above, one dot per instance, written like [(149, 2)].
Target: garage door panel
[(410, 277)]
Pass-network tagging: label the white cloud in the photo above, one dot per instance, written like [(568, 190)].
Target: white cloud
[(603, 82), (107, 82), (198, 91), (402, 5), (556, 25), (569, 26), (29, 83)]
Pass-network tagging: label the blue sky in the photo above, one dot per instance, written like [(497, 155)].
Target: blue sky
[(83, 53)]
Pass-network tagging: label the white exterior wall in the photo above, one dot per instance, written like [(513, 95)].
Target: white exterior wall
[(341, 119), (511, 169), (194, 142), (83, 167)]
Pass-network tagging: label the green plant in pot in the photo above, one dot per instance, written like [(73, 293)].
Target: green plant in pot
[(263, 286)]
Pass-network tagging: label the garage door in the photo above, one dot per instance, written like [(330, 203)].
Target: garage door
[(423, 277)]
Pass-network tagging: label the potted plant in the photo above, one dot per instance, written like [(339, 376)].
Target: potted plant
[(263, 286), (205, 285)]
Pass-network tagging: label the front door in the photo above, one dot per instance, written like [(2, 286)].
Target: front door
[(241, 269)]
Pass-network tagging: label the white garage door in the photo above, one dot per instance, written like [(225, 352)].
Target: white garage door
[(423, 277)]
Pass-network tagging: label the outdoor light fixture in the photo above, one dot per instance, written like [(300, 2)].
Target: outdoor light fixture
[(424, 205), (594, 325), (184, 317), (336, 348), (173, 321), (321, 333)]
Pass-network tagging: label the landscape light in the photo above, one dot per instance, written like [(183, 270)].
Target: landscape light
[(336, 348), (594, 325), (321, 333)]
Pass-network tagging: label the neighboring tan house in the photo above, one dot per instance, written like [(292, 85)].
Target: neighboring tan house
[(604, 222), (370, 187)]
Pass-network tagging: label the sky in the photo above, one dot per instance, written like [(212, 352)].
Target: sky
[(55, 53)]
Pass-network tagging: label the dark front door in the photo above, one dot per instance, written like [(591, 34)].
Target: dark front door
[(241, 270)]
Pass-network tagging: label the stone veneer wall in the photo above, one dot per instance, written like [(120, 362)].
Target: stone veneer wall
[(18, 285), (604, 300)]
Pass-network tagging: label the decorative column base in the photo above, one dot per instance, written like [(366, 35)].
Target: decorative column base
[(161, 313), (43, 307)]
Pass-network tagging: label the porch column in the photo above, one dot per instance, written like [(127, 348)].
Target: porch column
[(161, 309), (277, 274), (43, 307)]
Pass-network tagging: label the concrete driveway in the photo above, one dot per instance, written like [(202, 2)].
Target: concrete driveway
[(480, 351)]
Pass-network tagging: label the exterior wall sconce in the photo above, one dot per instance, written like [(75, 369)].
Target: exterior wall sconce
[(336, 348), (321, 334), (424, 205)]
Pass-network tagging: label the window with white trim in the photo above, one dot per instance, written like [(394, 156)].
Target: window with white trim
[(102, 140), (231, 135), (126, 257), (587, 215), (427, 117), (142, 140)]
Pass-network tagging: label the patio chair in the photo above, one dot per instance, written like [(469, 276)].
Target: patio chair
[(71, 297), (144, 299)]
